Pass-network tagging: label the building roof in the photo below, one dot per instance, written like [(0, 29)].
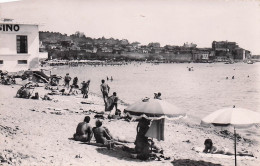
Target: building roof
[(11, 21)]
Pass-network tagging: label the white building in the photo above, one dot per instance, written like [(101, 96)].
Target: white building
[(19, 46)]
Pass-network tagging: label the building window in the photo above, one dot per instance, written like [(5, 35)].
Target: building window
[(21, 43), (1, 62), (22, 62)]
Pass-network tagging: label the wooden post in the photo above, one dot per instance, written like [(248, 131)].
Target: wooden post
[(235, 146)]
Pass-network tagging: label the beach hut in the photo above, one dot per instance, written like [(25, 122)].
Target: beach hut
[(236, 117)]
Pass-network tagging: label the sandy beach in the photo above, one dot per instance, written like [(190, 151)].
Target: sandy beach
[(36, 132)]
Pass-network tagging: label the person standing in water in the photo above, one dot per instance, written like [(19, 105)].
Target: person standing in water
[(105, 91), (158, 96)]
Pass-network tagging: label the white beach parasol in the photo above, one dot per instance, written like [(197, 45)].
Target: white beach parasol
[(233, 116), (237, 117), (154, 108)]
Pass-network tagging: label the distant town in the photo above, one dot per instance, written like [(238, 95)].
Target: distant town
[(79, 47)]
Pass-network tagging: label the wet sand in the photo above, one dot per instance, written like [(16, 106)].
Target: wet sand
[(36, 132)]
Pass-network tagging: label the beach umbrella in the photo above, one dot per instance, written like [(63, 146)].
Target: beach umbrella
[(236, 117), (154, 109)]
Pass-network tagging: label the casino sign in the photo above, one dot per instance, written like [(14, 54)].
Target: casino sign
[(9, 27)]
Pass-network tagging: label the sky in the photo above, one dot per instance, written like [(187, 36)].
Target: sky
[(171, 22)]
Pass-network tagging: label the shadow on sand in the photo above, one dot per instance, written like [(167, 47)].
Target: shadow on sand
[(118, 153), (188, 162)]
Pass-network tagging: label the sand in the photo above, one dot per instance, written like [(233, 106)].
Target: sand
[(36, 132)]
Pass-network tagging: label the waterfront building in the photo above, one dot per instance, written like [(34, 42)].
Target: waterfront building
[(19, 45)]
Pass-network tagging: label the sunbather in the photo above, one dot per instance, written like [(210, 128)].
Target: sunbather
[(209, 148), (84, 131), (101, 134)]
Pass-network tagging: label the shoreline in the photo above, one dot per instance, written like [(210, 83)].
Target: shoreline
[(37, 132)]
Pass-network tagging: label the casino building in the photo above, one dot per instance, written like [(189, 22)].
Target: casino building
[(19, 46)]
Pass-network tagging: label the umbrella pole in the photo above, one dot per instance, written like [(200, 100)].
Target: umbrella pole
[(235, 147)]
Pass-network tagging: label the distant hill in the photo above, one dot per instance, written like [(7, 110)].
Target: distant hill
[(78, 38)]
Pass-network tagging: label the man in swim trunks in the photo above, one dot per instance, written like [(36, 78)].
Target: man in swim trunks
[(85, 88), (101, 134), (105, 90), (84, 131), (67, 80)]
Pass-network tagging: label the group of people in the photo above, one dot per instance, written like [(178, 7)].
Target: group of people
[(144, 147), (110, 101), (111, 78), (6, 79), (85, 132), (74, 86), (233, 77)]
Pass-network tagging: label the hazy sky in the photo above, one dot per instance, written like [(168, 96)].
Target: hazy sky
[(166, 21)]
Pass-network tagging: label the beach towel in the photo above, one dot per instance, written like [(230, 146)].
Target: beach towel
[(156, 129)]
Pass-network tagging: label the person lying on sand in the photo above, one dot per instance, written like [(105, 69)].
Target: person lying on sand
[(209, 148), (83, 131)]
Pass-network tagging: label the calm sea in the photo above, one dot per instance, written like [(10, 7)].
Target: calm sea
[(198, 92)]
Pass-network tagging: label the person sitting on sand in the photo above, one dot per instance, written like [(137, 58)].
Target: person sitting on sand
[(83, 131), (101, 134), (19, 92), (209, 148), (23, 92), (141, 143), (36, 96)]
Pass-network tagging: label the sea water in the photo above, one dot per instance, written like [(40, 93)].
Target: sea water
[(198, 92)]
